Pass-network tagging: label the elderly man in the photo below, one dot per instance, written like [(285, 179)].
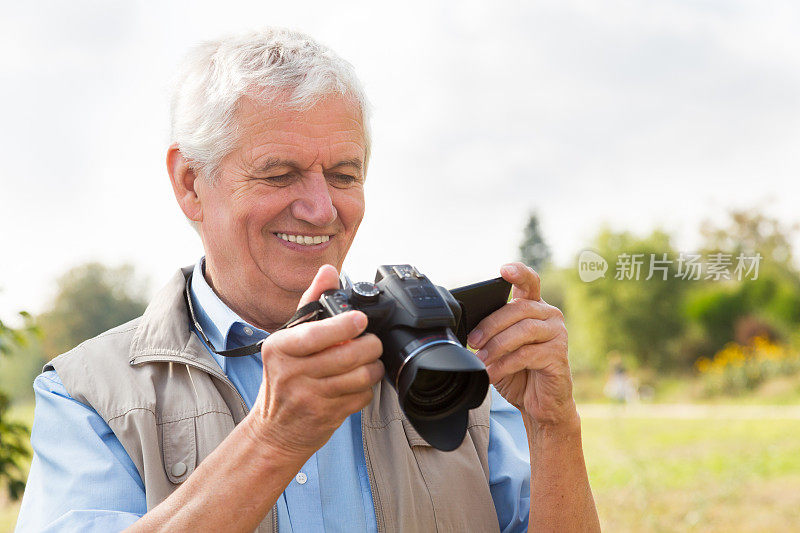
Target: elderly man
[(152, 425)]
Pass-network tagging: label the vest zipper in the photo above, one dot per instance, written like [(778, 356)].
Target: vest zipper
[(222, 377), (371, 476), (225, 379)]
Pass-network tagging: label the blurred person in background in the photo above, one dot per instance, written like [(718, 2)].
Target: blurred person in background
[(620, 386), (149, 427)]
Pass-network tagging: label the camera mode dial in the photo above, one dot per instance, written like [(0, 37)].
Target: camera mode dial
[(366, 292)]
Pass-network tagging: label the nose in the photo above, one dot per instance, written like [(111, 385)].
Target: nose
[(314, 203)]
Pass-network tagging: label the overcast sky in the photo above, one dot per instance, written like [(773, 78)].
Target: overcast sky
[(635, 114)]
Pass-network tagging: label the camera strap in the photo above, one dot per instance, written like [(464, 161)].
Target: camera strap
[(307, 313)]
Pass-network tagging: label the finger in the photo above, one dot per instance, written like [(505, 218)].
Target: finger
[(527, 357), (344, 357), (357, 380), (352, 403), (525, 281), (326, 278), (526, 331), (508, 315), (312, 337)]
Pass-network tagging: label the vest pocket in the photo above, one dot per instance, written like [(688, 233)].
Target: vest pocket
[(413, 436), (179, 443)]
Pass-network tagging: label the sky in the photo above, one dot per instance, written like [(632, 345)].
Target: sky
[(631, 115)]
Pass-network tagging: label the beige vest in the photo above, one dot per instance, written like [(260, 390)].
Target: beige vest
[(170, 405)]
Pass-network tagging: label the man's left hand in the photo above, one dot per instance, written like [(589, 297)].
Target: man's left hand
[(524, 347)]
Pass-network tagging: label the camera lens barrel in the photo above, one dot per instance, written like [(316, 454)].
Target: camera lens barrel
[(437, 381)]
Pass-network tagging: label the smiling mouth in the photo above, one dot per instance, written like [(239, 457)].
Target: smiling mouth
[(305, 240)]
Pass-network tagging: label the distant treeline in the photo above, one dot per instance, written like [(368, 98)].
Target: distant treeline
[(662, 308)]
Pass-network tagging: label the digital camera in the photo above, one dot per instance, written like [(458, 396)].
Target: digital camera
[(423, 329)]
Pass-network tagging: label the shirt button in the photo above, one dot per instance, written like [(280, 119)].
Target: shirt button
[(178, 469), (301, 478), (248, 331)]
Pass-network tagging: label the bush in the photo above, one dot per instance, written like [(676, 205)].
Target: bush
[(738, 368)]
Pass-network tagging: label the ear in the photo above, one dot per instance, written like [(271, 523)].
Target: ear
[(184, 181)]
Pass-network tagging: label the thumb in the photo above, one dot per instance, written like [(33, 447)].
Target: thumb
[(327, 278)]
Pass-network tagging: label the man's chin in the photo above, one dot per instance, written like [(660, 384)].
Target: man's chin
[(293, 274), (297, 280)]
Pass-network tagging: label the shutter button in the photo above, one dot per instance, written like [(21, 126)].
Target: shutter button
[(301, 478), (178, 469)]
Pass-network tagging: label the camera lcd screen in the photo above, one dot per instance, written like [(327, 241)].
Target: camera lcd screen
[(478, 301)]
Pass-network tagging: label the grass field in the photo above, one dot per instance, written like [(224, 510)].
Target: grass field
[(676, 468), (679, 472)]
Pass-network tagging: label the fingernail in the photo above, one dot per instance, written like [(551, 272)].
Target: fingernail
[(509, 270), (359, 319), (482, 354), (474, 338)]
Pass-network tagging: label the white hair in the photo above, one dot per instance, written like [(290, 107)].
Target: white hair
[(264, 64)]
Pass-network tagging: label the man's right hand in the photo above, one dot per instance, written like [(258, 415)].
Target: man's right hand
[(316, 374)]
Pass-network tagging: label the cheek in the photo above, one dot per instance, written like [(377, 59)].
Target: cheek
[(350, 208), (259, 212)]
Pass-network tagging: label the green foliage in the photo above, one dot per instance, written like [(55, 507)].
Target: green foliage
[(15, 337), (741, 368), (750, 231), (534, 251), (721, 312), (13, 451), (555, 283), (640, 319), (668, 323), (715, 309), (91, 298), (19, 369), (13, 435)]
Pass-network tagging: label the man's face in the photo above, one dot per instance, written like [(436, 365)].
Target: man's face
[(288, 199)]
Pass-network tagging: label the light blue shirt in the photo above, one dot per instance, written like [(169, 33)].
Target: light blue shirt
[(81, 478)]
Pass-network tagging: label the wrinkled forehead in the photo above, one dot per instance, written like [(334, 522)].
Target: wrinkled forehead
[(329, 131)]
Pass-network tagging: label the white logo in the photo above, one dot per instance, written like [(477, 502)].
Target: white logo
[(591, 266)]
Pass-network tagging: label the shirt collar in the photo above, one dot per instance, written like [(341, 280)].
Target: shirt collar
[(223, 327)]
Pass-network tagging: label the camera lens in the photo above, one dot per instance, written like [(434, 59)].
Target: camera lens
[(434, 392), (437, 381)]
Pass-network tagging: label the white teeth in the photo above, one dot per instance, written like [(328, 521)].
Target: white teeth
[(305, 240)]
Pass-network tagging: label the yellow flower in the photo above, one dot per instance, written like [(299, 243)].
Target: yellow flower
[(703, 365)]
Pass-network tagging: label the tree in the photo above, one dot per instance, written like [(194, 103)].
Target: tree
[(750, 231), (533, 250), (638, 317), (737, 310), (91, 298), (13, 435)]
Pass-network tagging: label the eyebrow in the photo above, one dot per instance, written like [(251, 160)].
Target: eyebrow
[(276, 162), (352, 162)]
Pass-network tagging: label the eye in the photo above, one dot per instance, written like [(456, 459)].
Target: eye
[(280, 180), (342, 180)]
